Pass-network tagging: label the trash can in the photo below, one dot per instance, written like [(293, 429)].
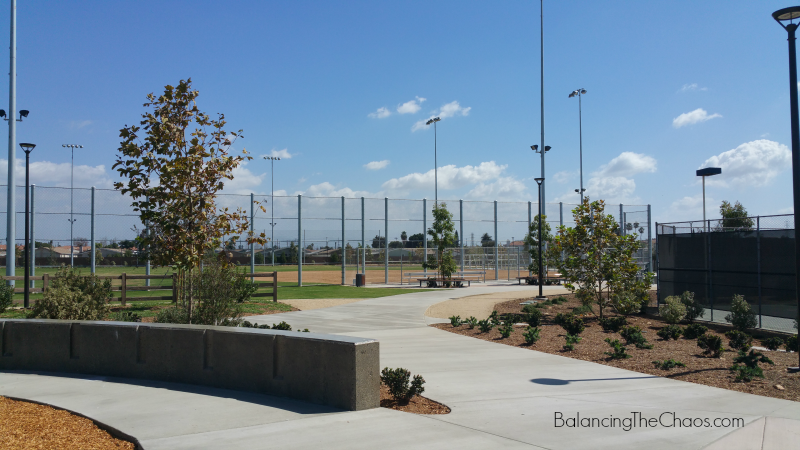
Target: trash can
[(361, 280)]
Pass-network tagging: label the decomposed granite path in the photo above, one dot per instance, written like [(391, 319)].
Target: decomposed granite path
[(501, 397)]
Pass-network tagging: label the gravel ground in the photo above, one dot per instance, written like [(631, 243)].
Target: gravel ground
[(26, 425), (699, 368), (417, 405)]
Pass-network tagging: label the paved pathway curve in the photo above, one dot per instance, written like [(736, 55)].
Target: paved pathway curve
[(501, 397)]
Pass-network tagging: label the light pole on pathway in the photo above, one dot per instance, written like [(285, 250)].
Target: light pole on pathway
[(785, 17), (27, 148), (272, 160), (435, 164), (72, 148), (539, 182), (578, 93), (707, 172)]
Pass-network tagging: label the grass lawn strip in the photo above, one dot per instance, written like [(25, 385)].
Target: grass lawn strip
[(699, 368)]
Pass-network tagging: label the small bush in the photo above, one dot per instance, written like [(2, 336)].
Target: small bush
[(6, 297), (72, 296), (626, 303), (247, 324), (613, 324), (534, 318), (694, 331), (583, 309), (668, 364), (711, 345), (670, 332), (571, 340), (673, 310), (506, 329), (485, 326), (558, 300), (529, 308), (791, 344), (494, 319), (773, 343), (397, 380), (739, 340), (455, 321), (472, 322), (742, 316), (749, 368), (693, 307), (618, 350), (633, 335), (571, 323), (125, 316), (531, 335), (174, 314), (282, 326)]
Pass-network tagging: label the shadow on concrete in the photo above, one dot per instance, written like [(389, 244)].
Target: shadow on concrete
[(284, 403), (557, 382)]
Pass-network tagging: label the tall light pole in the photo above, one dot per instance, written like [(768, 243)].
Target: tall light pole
[(27, 148), (72, 148), (707, 172), (540, 182), (578, 93), (541, 21), (272, 160), (435, 164), (535, 148), (782, 16), (12, 134)]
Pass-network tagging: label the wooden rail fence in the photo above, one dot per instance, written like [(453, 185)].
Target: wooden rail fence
[(123, 286)]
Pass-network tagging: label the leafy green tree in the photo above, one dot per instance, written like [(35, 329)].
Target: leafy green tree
[(532, 241), (597, 259), (404, 238), (442, 233), (734, 216), (378, 241), (416, 240), (173, 174), (486, 240)]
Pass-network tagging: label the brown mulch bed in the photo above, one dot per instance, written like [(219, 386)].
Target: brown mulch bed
[(25, 425), (699, 368), (417, 405)]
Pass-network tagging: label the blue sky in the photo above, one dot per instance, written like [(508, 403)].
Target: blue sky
[(672, 86)]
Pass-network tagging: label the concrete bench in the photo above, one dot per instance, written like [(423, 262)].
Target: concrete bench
[(338, 371)]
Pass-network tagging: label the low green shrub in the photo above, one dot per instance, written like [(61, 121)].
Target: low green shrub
[(571, 323), (791, 344), (571, 341), (773, 343), (746, 365), (534, 318), (400, 385), (530, 308), (558, 300), (742, 316), (173, 314), (633, 335), (618, 350), (506, 329), (673, 310), (455, 321), (485, 326), (72, 296), (282, 326), (613, 324), (693, 307), (531, 335), (472, 322), (739, 340), (668, 364), (583, 309), (694, 331), (670, 332), (494, 319), (6, 297), (711, 345), (247, 324), (125, 316)]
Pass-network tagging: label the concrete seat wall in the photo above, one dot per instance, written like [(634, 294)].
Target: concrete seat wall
[(338, 371)]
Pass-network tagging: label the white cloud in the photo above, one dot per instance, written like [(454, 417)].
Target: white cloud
[(751, 164), (505, 188), (282, 154), (627, 164), (697, 116), (46, 173), (691, 208), (564, 176), (789, 210), (612, 189), (381, 113), (691, 87), (377, 165), (451, 109), (450, 177), (411, 106), (80, 123), (327, 189)]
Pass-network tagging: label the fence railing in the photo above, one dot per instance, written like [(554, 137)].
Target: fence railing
[(123, 288)]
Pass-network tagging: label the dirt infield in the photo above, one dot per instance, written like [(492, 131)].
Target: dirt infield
[(374, 276)]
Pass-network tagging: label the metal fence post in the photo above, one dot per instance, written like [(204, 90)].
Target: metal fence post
[(91, 233), (361, 260), (33, 235), (710, 273), (344, 254), (461, 233), (758, 265), (147, 263), (386, 232), (300, 240), (561, 214), (621, 221), (649, 241), (424, 233), (658, 275), (252, 244), (527, 232), (496, 243)]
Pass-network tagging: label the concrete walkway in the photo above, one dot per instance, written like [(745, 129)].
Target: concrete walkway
[(501, 397)]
